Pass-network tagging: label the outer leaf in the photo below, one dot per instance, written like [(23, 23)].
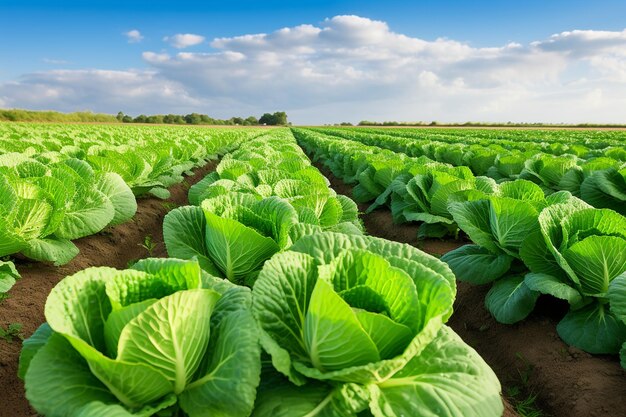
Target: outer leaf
[(281, 298), (448, 379), (90, 212), (510, 300), (51, 249), (278, 398), (228, 386), (79, 387), (475, 264), (537, 257), (593, 329), (31, 346), (556, 287), (617, 296), (120, 194), (99, 409), (179, 274), (184, 231), (473, 218), (76, 308)]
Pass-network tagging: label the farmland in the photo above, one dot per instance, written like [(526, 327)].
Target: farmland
[(312, 271)]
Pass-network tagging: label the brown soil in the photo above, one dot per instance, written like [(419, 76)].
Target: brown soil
[(528, 356), (115, 247)]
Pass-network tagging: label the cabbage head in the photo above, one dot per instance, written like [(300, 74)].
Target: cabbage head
[(161, 337), (355, 325)]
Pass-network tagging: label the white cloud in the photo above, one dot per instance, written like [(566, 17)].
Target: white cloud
[(353, 68), (133, 36), (99, 90), (184, 40)]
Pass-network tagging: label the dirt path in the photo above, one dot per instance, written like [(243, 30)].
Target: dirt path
[(115, 247), (527, 356)]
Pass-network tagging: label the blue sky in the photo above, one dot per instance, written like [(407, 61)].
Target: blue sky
[(76, 37)]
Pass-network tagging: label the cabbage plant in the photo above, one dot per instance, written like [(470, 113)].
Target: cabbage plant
[(424, 197), (45, 207), (548, 170), (158, 338), (231, 235), (575, 254), (355, 324), (498, 225)]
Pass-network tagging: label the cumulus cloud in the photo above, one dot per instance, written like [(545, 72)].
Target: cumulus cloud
[(184, 40), (353, 68), (133, 36), (99, 90)]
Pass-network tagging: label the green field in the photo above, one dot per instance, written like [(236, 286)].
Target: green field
[(271, 296)]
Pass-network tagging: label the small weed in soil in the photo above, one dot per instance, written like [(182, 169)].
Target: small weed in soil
[(524, 404), (521, 395), (149, 245), (14, 331)]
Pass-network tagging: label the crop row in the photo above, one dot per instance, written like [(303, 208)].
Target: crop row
[(526, 242), (599, 178), (597, 175), (336, 323), (417, 142), (59, 183)]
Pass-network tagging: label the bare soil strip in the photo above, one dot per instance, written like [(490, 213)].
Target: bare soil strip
[(115, 247), (529, 355)]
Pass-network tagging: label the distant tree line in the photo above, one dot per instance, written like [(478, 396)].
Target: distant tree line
[(273, 119), (16, 115)]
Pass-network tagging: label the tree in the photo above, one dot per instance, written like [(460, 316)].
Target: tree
[(266, 119), (251, 121), (120, 116), (157, 118), (127, 119), (193, 119), (280, 118), (206, 120)]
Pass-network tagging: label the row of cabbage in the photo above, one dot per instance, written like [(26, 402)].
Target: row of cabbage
[(328, 321), (148, 158), (594, 170), (526, 242), (61, 182), (546, 140), (584, 144)]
